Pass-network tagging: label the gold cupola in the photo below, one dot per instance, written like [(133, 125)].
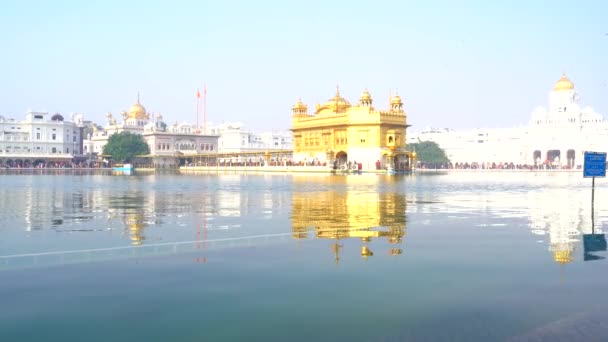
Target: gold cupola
[(336, 104), (299, 107), (137, 111), (396, 100), (366, 98), (396, 103), (563, 84)]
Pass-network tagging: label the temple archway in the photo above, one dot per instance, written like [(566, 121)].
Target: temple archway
[(553, 157), (342, 158), (537, 157), (571, 155)]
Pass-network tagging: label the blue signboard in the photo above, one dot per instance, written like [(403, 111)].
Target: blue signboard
[(595, 164)]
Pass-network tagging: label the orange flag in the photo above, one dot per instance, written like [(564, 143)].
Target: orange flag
[(198, 94)]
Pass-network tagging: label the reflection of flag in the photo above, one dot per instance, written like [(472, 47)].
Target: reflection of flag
[(205, 89), (198, 94)]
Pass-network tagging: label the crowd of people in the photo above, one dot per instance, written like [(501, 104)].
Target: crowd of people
[(497, 166), (40, 164)]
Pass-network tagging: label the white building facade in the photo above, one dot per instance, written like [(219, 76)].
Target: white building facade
[(234, 138), (39, 138), (169, 145), (556, 136)]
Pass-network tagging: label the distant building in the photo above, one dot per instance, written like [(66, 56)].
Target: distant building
[(234, 138), (170, 145), (556, 136), (339, 133), (40, 138)]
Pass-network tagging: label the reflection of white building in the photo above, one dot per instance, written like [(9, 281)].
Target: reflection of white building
[(167, 143), (564, 216), (40, 136), (234, 138), (556, 135)]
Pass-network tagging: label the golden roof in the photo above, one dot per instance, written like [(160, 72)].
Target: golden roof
[(335, 104), (137, 111), (563, 84)]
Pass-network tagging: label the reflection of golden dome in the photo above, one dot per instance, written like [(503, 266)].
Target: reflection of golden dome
[(562, 257), (396, 251), (137, 111), (366, 252), (563, 84)]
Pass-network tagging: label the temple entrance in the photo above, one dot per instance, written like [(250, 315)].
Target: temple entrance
[(342, 160), (553, 157), (571, 157), (537, 158)]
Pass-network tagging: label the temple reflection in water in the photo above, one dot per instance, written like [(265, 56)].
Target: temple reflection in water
[(565, 217), (352, 207)]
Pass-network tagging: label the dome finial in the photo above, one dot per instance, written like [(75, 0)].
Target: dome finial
[(337, 90), (138, 97)]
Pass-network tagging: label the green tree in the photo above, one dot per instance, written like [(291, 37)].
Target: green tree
[(428, 152), (124, 146)]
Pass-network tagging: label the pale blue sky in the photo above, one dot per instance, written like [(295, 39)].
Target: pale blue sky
[(459, 64)]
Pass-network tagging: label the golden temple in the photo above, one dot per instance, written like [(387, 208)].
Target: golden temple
[(343, 135)]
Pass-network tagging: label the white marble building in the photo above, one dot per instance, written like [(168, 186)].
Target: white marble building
[(234, 138), (557, 136), (168, 143), (40, 137)]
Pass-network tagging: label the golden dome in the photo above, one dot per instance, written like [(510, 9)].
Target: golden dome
[(563, 84), (299, 106), (366, 96), (335, 104), (396, 100), (137, 111)]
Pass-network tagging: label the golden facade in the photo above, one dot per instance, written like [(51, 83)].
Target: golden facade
[(340, 134), (353, 214)]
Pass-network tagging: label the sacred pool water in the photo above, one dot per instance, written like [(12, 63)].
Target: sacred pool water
[(287, 257)]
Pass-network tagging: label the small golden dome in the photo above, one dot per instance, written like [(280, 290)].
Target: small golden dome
[(366, 96), (563, 84), (366, 252), (137, 111), (299, 106), (396, 100), (335, 104)]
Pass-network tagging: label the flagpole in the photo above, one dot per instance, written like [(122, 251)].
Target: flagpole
[(204, 109), (198, 95)]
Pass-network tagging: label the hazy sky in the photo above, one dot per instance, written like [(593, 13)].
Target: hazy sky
[(460, 64)]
